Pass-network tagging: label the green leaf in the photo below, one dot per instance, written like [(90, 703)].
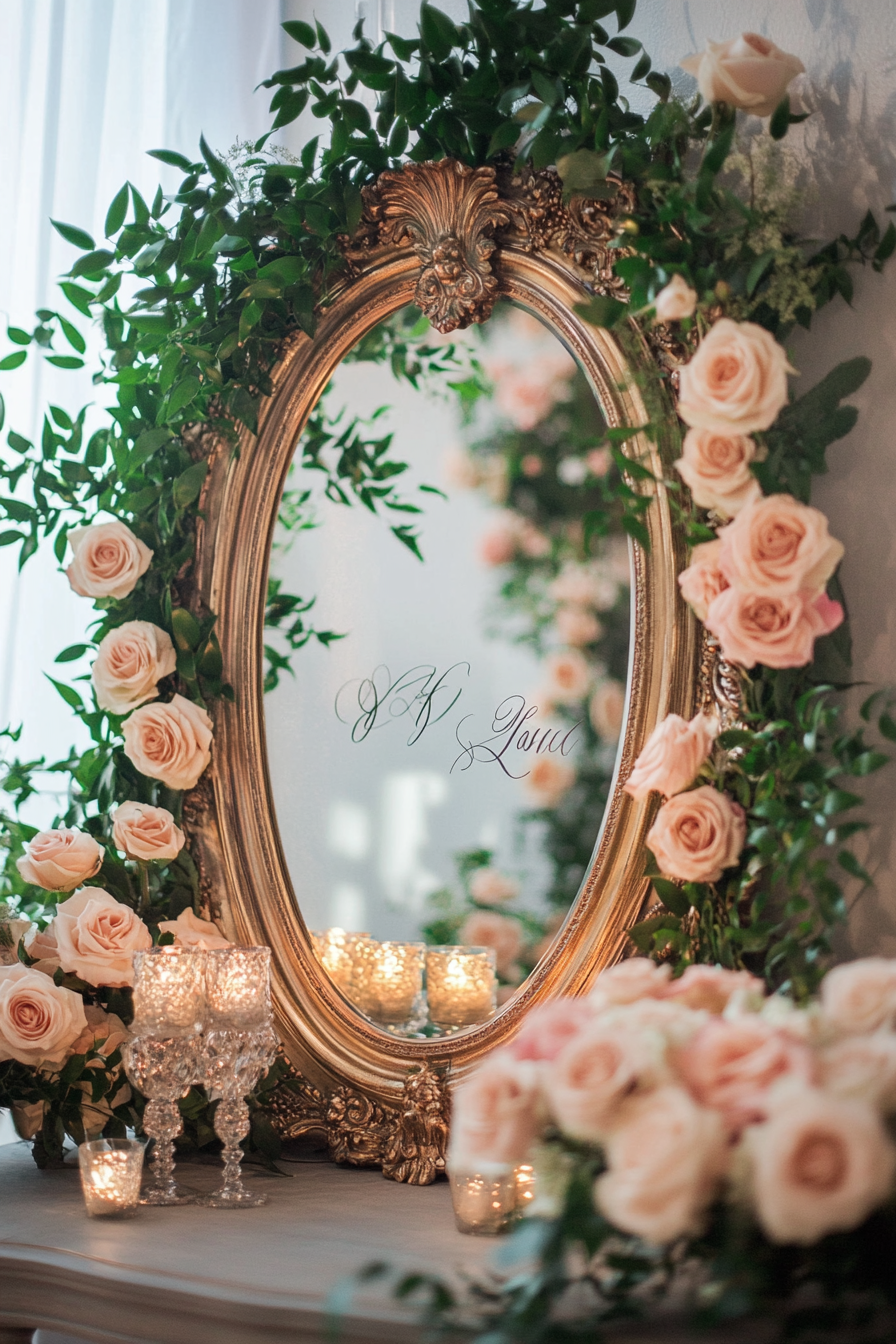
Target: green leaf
[(188, 485), (218, 169), (601, 311), (72, 335), (92, 263), (72, 652), (116, 212), (77, 296), (173, 159), (14, 360), (672, 896), (437, 31), (73, 235), (187, 633), (69, 695), (850, 863), (300, 32), (624, 46), (780, 119), (182, 394), (18, 336), (64, 362)]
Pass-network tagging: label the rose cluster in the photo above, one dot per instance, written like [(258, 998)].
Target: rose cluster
[(703, 1089)]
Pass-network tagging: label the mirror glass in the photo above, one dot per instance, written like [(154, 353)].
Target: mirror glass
[(447, 645)]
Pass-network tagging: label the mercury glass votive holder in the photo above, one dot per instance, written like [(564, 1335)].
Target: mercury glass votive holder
[(396, 980), (363, 956), (110, 1176), (337, 951), (484, 1200), (169, 992), (238, 988), (461, 985)]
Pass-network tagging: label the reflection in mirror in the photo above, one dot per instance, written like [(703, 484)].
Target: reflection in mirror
[(441, 749)]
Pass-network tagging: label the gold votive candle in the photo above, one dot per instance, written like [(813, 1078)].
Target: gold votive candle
[(110, 1176), (485, 1200), (461, 985), (169, 991), (396, 978), (337, 951), (525, 1178), (238, 987), (363, 955)]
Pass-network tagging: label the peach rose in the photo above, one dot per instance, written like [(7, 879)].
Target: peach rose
[(96, 936), (697, 835), (170, 742), (495, 1114), (60, 860), (703, 580), (461, 470), (675, 300), (748, 72), (594, 1073), (779, 546), (40, 944), (195, 933), (548, 1027), (499, 544), (606, 709), (633, 979), (666, 1157), (488, 886), (533, 543), (730, 1065), (38, 1020), (581, 586), (548, 780), (672, 756), (820, 1164), (144, 832), (860, 996), (716, 469), (775, 631), (863, 1068), (569, 677), (487, 929), (576, 626), (599, 461), (107, 560), (736, 381), (712, 987), (131, 660)]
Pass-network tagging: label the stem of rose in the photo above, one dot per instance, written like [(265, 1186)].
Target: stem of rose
[(143, 868)]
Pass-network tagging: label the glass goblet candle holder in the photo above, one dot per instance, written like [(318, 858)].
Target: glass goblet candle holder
[(110, 1176), (396, 979), (238, 988), (234, 1061), (461, 985), (164, 1070), (484, 1199), (169, 992)]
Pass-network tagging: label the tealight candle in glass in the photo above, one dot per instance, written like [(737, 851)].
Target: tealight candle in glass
[(396, 979), (110, 1176), (337, 952), (484, 1200), (169, 992), (238, 988), (461, 985)]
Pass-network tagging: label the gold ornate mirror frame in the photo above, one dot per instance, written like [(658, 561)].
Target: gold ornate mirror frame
[(452, 240)]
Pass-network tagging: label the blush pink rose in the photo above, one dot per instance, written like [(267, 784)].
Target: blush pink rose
[(576, 626), (820, 1164), (703, 580), (716, 469), (61, 859), (606, 709), (863, 1068), (488, 886), (170, 742), (569, 677), (96, 937), (672, 756), (675, 300), (495, 1114), (595, 1072), (736, 382), (712, 987), (548, 780), (486, 928), (40, 944), (107, 560), (39, 1021), (666, 1157), (697, 835), (499, 544), (779, 546), (860, 996), (775, 631), (748, 72), (549, 1027), (144, 832), (194, 933), (583, 587), (731, 1064), (630, 980), (130, 662)]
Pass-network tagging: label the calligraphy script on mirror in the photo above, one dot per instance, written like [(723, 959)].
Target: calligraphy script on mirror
[(513, 730), (421, 693)]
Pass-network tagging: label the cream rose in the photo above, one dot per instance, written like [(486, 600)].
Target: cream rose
[(716, 469), (96, 936), (61, 859), (748, 72), (711, 988), (130, 662), (675, 300), (40, 944), (595, 1072), (736, 381), (583, 587), (629, 981), (488, 886), (144, 832), (672, 756), (576, 626), (731, 1064), (495, 1114), (195, 933), (170, 742), (860, 996), (703, 580), (485, 928), (606, 709), (697, 835), (107, 560), (499, 544), (39, 1021), (863, 1068), (775, 631), (820, 1164), (548, 780), (666, 1157), (569, 677), (779, 546), (550, 1026)]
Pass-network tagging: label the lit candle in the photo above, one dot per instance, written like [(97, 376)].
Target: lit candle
[(169, 991), (110, 1176), (339, 955), (238, 988), (461, 986), (396, 979), (484, 1201)]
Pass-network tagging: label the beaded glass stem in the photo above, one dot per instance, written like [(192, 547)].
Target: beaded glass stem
[(163, 1070)]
